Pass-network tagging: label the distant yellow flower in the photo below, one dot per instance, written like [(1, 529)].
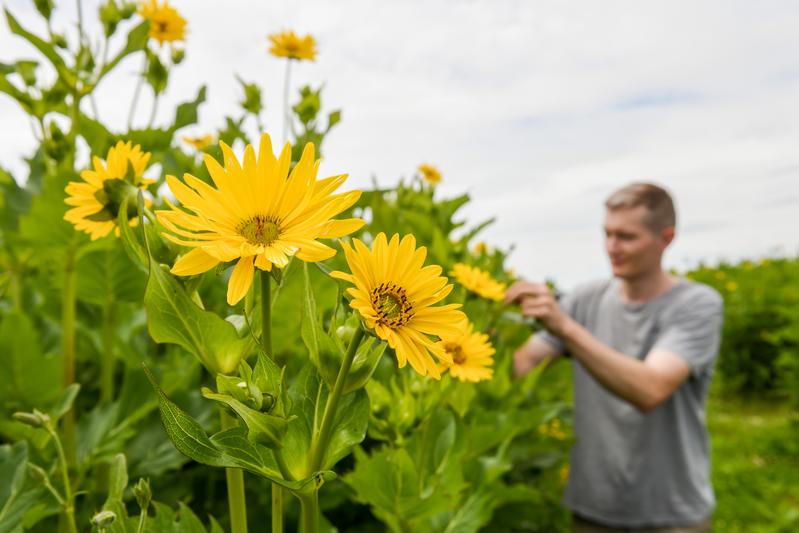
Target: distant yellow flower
[(478, 281), (199, 143), (480, 248), (720, 275), (731, 286), (564, 474), (258, 214), (290, 45), (554, 429), (472, 355), (98, 198), (395, 296), (430, 173), (166, 24)]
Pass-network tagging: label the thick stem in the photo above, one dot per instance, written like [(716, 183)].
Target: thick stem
[(266, 313), (108, 359), (68, 350), (319, 444), (286, 117), (277, 508), (235, 486), (309, 512)]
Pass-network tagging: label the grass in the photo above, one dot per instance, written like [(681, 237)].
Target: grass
[(755, 457)]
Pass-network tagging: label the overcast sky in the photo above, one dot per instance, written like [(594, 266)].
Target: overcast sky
[(537, 109)]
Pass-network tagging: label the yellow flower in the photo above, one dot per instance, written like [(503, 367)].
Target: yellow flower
[(478, 281), (98, 198), (166, 24), (554, 429), (430, 173), (259, 213), (472, 355), (731, 286), (198, 143), (564, 474), (394, 294), (480, 248), (289, 44)]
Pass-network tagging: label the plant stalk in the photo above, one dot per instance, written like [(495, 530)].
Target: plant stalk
[(309, 512), (68, 502), (235, 486), (108, 359), (286, 85), (68, 351), (319, 445)]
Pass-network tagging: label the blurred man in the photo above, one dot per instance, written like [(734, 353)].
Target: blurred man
[(643, 345)]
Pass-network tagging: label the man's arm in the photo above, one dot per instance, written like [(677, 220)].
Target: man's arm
[(531, 354), (646, 384)]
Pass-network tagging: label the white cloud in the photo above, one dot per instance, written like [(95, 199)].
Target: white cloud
[(538, 109)]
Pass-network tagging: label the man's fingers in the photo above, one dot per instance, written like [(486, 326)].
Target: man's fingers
[(522, 289)]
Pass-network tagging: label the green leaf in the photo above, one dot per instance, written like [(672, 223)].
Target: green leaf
[(137, 40), (18, 492), (263, 428), (349, 427), (65, 402), (186, 112), (325, 353), (45, 7), (364, 364), (97, 136), (47, 49), (28, 377), (27, 71), (229, 448), (156, 75), (253, 101), (172, 316), (130, 243), (117, 476), (106, 275), (333, 118)]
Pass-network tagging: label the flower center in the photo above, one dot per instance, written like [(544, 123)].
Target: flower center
[(260, 229), (456, 351), (391, 304)]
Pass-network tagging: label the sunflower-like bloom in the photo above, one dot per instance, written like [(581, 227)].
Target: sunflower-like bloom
[(290, 45), (166, 24), (258, 214), (198, 143), (478, 281), (395, 296), (481, 248), (430, 173), (99, 196), (472, 355)]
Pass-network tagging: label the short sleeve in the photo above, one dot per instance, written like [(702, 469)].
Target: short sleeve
[(693, 331)]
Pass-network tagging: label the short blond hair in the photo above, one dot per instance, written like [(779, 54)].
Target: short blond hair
[(656, 200)]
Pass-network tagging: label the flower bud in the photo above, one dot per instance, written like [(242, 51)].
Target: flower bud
[(177, 55), (142, 492), (104, 519), (30, 419)]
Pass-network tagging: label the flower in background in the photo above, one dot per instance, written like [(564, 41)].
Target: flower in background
[(478, 281), (290, 45), (198, 143), (166, 24), (472, 355), (395, 295), (259, 214), (98, 198), (481, 248), (430, 173)]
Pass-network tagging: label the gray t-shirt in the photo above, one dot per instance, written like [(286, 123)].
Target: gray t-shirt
[(628, 468)]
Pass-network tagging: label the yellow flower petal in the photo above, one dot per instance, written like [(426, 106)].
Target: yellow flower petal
[(240, 280)]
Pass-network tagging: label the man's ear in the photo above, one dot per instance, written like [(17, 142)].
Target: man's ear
[(667, 235)]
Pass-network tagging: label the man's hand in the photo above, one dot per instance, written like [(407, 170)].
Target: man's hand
[(537, 301)]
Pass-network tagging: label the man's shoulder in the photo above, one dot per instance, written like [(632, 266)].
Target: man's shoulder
[(698, 294), (590, 289)]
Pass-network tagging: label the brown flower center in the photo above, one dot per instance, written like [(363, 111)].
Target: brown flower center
[(391, 304), (260, 229), (456, 351)]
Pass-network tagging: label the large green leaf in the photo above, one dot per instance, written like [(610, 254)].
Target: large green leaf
[(325, 353), (18, 492), (107, 274), (349, 426), (230, 448), (262, 428), (46, 48), (172, 316), (186, 113), (28, 377)]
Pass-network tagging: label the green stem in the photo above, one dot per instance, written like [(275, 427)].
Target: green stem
[(136, 93), (68, 350), (69, 503), (277, 508), (108, 359), (319, 445), (235, 486), (142, 520), (266, 313), (309, 512), (266, 346), (286, 116)]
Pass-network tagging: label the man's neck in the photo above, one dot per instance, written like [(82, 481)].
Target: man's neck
[(648, 287)]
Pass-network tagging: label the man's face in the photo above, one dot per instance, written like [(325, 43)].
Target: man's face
[(633, 248)]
